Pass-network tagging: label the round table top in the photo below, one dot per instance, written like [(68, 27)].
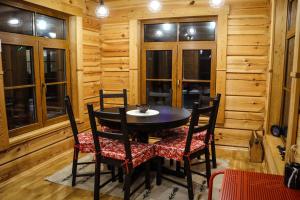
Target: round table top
[(168, 117)]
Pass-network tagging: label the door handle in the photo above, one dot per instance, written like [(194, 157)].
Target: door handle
[(178, 83)]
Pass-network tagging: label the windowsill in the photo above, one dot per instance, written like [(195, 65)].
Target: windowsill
[(38, 133)]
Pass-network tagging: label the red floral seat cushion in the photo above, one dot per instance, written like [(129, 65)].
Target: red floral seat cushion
[(183, 130), (86, 142), (173, 147), (140, 152)]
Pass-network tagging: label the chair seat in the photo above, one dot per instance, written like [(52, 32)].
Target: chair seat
[(183, 130), (140, 152), (173, 147), (86, 142)]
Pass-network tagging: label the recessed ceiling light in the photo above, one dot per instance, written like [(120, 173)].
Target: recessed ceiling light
[(154, 6), (102, 11), (216, 3), (13, 21)]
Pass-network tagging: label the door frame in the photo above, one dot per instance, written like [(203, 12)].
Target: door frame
[(177, 46)]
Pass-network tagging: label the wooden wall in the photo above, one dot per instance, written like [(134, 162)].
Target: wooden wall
[(38, 146), (247, 61), (91, 63)]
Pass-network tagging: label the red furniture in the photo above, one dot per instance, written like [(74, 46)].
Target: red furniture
[(241, 185)]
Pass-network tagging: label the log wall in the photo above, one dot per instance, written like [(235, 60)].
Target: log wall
[(39, 146)]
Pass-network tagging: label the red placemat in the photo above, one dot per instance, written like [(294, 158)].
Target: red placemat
[(241, 185)]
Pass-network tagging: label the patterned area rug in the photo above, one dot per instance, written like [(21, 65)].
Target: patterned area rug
[(166, 191)]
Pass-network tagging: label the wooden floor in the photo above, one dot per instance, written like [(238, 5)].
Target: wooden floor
[(31, 184)]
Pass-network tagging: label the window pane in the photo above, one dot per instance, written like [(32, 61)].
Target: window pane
[(50, 27), (289, 63), (285, 111), (54, 65), (197, 31), (195, 92), (160, 32), (196, 64), (159, 93), (292, 12), (17, 62), (159, 64), (15, 20), (20, 107), (55, 100)]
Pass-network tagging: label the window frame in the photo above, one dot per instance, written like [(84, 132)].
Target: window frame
[(177, 47), (37, 44), (290, 33)]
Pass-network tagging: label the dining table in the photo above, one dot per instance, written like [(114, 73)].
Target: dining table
[(142, 126), (166, 117)]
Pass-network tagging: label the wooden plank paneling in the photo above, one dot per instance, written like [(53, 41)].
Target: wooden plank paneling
[(247, 50), (248, 40), (248, 104), (245, 88), (248, 77), (232, 137)]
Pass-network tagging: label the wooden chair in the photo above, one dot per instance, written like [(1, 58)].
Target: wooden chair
[(122, 95), (186, 148), (83, 142), (201, 135), (121, 152)]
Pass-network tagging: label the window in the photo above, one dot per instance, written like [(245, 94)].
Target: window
[(290, 44), (36, 68), (178, 62), (197, 31), (166, 32), (15, 20)]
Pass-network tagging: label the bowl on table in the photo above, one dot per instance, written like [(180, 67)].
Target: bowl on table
[(142, 108)]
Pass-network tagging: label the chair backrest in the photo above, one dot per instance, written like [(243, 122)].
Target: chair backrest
[(216, 102), (113, 96), (121, 136), (162, 95), (194, 126), (72, 119)]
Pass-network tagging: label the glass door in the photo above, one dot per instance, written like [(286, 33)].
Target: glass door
[(178, 61), (196, 73), (159, 65)]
